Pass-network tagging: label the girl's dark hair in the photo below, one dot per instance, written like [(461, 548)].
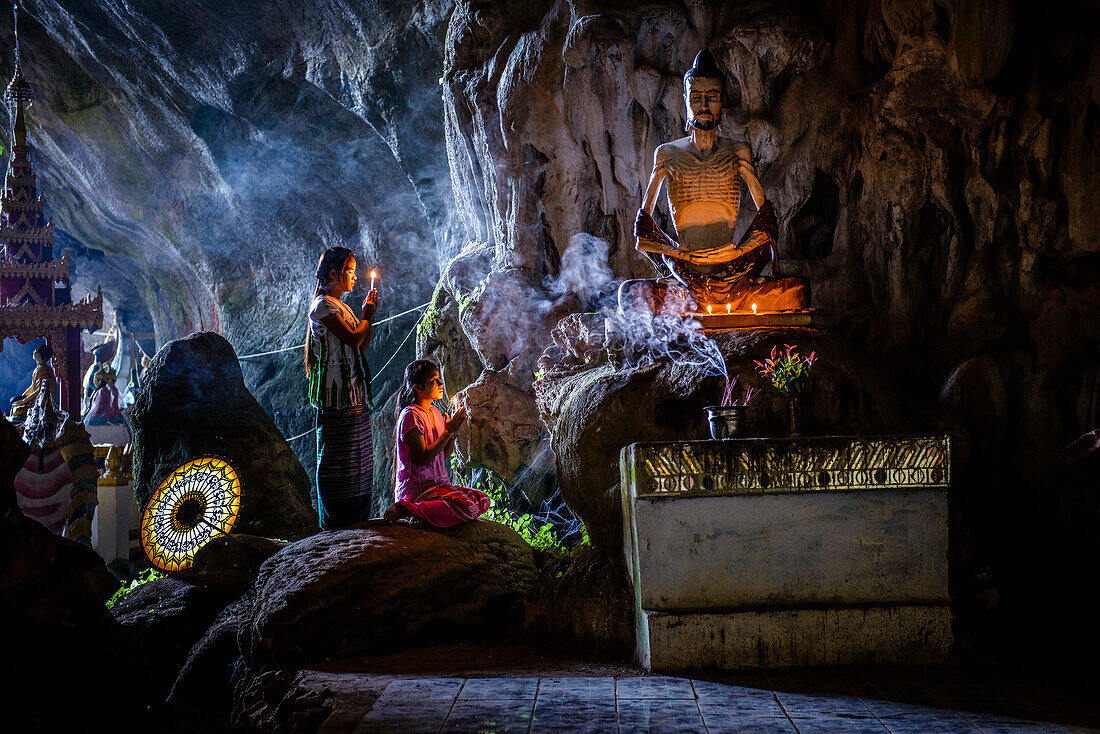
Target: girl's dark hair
[(43, 350), (331, 261), (416, 375)]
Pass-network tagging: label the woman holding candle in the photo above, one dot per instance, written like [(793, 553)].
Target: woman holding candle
[(339, 388), (424, 439)]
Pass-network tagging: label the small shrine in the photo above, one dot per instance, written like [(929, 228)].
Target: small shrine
[(35, 297)]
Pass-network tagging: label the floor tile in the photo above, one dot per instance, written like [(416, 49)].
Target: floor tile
[(798, 704), (411, 706), (893, 709), (420, 688), (654, 687), (550, 718), (745, 706), (720, 692), (672, 716), (838, 725), (924, 725), (405, 717), (482, 715), (1021, 727), (593, 688), (500, 689), (742, 725)]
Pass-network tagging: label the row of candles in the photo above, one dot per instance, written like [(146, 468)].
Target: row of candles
[(729, 309)]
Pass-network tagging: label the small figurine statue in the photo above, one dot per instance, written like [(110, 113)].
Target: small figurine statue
[(102, 354), (42, 379), (102, 399), (704, 174)]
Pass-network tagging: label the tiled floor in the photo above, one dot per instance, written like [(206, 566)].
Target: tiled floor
[(803, 703)]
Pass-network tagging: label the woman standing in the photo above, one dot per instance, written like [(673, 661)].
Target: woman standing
[(339, 387)]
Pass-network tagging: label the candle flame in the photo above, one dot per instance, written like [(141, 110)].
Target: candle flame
[(754, 308), (708, 308), (373, 274), (728, 307)]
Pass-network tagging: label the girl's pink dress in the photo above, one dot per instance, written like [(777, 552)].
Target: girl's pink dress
[(425, 490)]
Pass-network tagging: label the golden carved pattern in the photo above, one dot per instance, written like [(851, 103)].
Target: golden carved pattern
[(38, 234), (766, 466), (57, 269), (27, 296), (28, 322)]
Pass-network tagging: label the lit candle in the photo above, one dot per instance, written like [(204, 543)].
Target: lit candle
[(728, 307), (373, 275), (454, 403), (754, 308), (708, 309)]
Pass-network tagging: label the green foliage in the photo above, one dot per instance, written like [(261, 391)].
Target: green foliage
[(447, 65), (536, 532), (149, 574), (426, 325), (430, 318), (788, 372), (469, 299)]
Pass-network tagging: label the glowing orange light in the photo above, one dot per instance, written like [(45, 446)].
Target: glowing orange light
[(728, 307), (373, 275), (754, 308), (708, 309)]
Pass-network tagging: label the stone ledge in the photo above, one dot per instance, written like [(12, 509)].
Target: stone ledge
[(797, 549), (828, 636)]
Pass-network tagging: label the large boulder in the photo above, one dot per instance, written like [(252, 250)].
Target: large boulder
[(593, 413), (583, 601), (167, 616), (377, 588), (194, 403), (172, 616)]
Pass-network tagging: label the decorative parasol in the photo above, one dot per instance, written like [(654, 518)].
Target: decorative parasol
[(196, 502)]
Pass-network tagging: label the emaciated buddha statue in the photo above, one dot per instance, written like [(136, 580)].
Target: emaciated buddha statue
[(704, 174)]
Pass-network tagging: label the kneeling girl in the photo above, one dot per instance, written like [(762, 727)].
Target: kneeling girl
[(424, 439)]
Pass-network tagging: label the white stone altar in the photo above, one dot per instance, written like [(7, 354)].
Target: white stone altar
[(788, 552)]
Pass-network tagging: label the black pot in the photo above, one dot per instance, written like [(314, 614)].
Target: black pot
[(726, 421)]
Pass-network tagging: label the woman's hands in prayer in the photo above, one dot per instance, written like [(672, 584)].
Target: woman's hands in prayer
[(370, 305)]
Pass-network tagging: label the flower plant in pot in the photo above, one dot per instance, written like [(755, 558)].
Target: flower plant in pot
[(789, 373), (728, 419)]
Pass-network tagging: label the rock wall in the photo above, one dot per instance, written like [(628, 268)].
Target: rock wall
[(934, 167)]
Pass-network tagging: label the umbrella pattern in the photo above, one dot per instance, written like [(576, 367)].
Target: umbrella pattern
[(195, 503)]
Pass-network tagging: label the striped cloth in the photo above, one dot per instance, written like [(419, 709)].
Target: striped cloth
[(43, 486), (345, 466)]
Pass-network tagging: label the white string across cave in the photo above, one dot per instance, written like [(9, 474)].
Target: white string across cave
[(299, 346), (387, 364)]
